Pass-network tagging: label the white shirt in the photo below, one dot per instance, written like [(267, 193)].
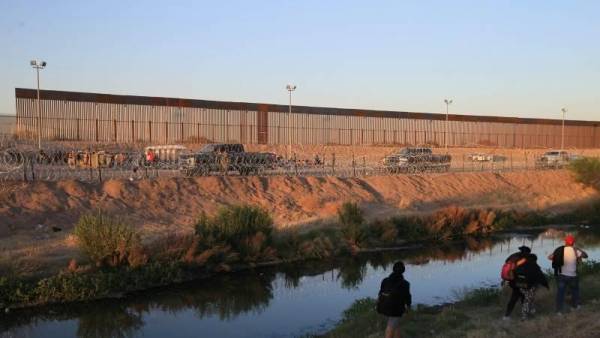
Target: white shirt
[(570, 255)]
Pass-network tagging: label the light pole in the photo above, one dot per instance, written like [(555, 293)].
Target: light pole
[(448, 102), (38, 65), (562, 133), (290, 88)]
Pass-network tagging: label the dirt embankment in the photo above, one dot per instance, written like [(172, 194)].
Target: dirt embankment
[(171, 203)]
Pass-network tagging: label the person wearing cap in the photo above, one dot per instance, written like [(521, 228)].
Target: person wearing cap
[(394, 299), (516, 294), (564, 262)]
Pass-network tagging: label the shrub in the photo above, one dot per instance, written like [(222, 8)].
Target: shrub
[(410, 228), (383, 232), (587, 171), (246, 229), (107, 240), (351, 219)]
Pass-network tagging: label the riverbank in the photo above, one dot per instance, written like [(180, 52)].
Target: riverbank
[(478, 313), (37, 218), (186, 258)]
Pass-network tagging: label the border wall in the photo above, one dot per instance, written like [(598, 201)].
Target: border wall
[(130, 119)]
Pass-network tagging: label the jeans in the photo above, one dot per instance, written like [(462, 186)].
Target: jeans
[(562, 283)]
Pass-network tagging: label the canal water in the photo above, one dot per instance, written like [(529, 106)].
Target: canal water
[(291, 300)]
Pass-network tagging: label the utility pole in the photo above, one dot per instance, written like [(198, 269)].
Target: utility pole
[(562, 136), (290, 88), (448, 102), (38, 65)]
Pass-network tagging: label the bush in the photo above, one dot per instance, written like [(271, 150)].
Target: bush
[(246, 229), (410, 228), (587, 171), (351, 219), (108, 241)]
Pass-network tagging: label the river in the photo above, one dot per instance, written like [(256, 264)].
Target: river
[(291, 300)]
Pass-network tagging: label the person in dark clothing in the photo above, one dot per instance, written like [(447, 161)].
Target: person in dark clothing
[(394, 299), (516, 294), (528, 277)]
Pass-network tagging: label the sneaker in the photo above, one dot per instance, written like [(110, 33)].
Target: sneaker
[(506, 318), (578, 307), (559, 314)]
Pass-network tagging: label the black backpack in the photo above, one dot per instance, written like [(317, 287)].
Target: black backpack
[(390, 301)]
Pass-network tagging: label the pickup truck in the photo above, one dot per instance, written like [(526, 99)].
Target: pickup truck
[(413, 160), (555, 159), (223, 158)]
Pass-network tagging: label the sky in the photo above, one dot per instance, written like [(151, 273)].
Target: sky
[(508, 58)]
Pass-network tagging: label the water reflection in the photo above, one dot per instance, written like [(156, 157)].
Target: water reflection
[(227, 298)]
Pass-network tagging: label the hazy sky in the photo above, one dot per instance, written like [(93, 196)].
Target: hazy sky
[(515, 58)]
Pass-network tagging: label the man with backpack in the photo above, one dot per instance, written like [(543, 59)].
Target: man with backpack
[(564, 262), (517, 258), (528, 277), (394, 299)]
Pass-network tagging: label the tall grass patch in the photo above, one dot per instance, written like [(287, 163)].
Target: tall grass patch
[(108, 241), (246, 229), (351, 219)]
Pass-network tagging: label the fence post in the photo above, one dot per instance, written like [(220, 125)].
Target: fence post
[(25, 165), (96, 130), (353, 166), (364, 166), (198, 132), (32, 163), (295, 165), (182, 137), (132, 131), (333, 165), (150, 130)]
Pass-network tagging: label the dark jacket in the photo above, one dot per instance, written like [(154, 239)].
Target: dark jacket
[(530, 274), (558, 259), (515, 257), (394, 295)]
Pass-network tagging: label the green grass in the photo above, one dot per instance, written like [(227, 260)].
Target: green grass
[(351, 220), (587, 171), (478, 313), (107, 241)]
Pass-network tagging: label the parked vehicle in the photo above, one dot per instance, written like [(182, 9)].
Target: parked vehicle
[(409, 160), (555, 159), (164, 156), (225, 157), (482, 157)]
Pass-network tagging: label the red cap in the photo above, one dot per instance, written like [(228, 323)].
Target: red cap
[(569, 240)]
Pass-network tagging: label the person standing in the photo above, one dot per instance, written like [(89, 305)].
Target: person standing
[(528, 277), (564, 262), (516, 295), (394, 299)]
